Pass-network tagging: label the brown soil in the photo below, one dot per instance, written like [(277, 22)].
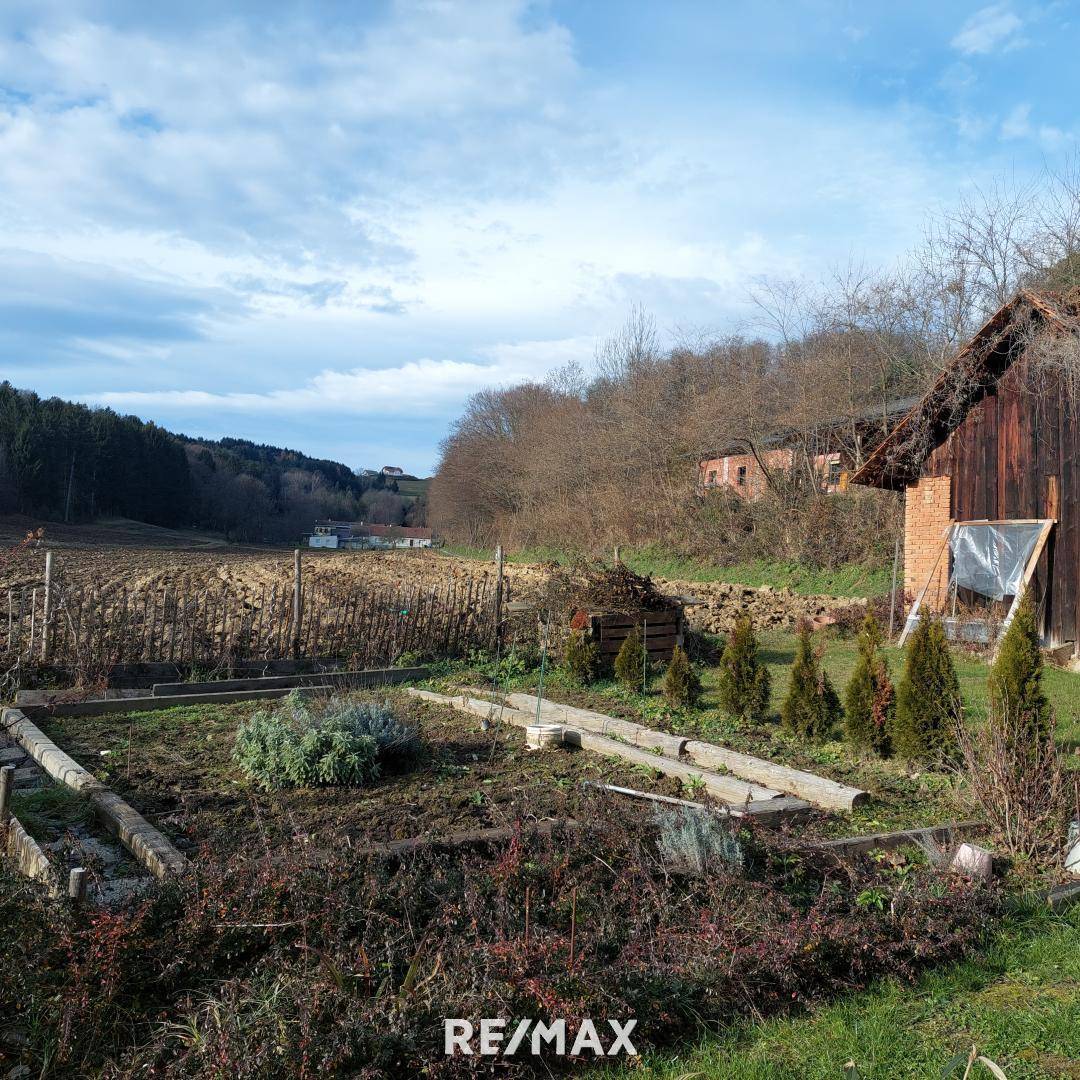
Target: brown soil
[(180, 775)]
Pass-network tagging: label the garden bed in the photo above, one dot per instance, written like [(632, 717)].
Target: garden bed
[(175, 767)]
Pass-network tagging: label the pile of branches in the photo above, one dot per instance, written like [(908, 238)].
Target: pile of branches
[(598, 587)]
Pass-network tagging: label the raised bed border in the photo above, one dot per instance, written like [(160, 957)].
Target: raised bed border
[(148, 846)]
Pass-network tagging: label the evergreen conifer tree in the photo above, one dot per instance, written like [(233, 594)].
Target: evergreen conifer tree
[(869, 701), (630, 661), (811, 706), (928, 698), (681, 683), (1016, 692), (744, 681)]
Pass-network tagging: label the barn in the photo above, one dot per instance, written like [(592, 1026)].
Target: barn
[(989, 460)]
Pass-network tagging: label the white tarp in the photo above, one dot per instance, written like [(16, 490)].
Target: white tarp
[(990, 559)]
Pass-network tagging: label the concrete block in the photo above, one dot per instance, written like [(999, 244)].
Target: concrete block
[(974, 861)]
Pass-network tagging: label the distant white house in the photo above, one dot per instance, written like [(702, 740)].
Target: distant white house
[(349, 535), (392, 470)]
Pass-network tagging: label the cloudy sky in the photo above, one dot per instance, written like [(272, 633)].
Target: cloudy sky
[(325, 225)]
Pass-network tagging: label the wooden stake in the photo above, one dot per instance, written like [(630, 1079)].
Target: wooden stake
[(573, 922), (7, 780), (46, 619), (77, 885), (298, 602)]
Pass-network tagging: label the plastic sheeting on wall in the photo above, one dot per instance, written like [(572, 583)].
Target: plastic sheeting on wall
[(990, 559)]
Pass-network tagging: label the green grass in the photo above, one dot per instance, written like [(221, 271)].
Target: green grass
[(1019, 1002), (657, 562), (48, 812), (413, 489)]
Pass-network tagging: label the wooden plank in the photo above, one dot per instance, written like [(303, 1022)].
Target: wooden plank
[(723, 788), (764, 812), (886, 841), (149, 704), (365, 677)]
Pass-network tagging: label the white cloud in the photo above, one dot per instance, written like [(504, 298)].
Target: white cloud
[(1017, 124), (987, 30), (424, 386)]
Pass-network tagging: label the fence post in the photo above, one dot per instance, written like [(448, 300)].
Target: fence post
[(7, 780), (297, 603), (498, 592), (46, 618)]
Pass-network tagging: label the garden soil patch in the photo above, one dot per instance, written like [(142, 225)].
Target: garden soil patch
[(179, 773)]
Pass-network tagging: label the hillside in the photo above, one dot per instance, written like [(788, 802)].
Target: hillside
[(63, 461)]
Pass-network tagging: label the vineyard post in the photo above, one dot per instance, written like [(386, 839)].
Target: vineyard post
[(46, 619), (298, 604)]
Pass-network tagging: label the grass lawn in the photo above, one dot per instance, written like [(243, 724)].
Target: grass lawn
[(656, 562), (1019, 1002), (901, 799)]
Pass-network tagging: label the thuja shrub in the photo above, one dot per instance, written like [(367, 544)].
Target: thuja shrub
[(811, 706), (928, 697), (744, 681), (682, 686), (870, 700), (630, 661), (278, 964), (1016, 691), (581, 657), (331, 743)]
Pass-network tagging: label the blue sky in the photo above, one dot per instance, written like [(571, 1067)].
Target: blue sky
[(325, 225)]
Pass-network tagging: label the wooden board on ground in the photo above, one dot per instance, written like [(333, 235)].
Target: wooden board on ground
[(816, 790), (348, 679), (724, 788), (148, 704)]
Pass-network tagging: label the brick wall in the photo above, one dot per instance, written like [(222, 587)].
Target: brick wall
[(725, 471), (926, 519)]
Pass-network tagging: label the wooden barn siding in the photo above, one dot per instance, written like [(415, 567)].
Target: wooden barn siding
[(1006, 458)]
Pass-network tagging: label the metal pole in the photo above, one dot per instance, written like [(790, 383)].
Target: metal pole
[(892, 591), (46, 621), (498, 592), (297, 603)]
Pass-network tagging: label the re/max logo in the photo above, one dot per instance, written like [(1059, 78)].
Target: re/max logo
[(531, 1037)]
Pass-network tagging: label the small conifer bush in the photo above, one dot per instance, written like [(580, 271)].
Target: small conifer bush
[(870, 701), (630, 662), (335, 743), (1016, 692), (581, 657), (682, 686), (811, 706), (928, 697), (744, 681)]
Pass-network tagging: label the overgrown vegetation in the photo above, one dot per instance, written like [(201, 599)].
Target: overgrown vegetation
[(333, 743), (928, 698), (744, 682), (270, 963)]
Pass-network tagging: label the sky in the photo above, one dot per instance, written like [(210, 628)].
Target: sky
[(325, 225)]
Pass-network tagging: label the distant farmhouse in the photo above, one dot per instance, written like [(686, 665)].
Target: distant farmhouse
[(741, 466), (339, 535), (392, 470)]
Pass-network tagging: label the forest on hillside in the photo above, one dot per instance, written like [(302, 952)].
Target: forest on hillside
[(589, 460), (67, 462)]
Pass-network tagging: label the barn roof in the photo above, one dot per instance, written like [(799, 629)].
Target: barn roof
[(962, 383)]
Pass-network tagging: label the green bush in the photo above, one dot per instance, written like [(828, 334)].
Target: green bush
[(744, 681), (630, 662), (928, 698), (1016, 692), (581, 657), (681, 683), (811, 706), (870, 701), (336, 743)]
